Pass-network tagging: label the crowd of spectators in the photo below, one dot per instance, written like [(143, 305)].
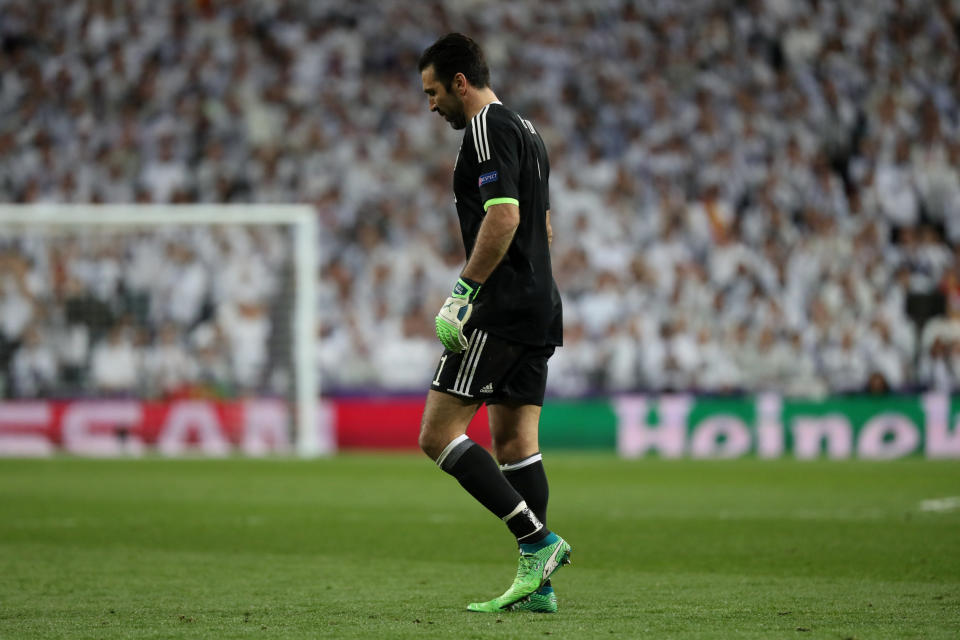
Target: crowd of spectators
[(159, 312), (746, 195)]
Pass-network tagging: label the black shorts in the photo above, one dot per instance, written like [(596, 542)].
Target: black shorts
[(494, 370)]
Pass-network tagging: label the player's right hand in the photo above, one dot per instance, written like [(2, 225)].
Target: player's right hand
[(455, 313)]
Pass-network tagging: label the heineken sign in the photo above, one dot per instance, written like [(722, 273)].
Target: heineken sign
[(769, 426)]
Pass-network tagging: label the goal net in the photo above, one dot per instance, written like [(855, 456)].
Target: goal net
[(191, 326)]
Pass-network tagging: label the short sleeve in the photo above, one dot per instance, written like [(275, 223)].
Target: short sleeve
[(498, 152)]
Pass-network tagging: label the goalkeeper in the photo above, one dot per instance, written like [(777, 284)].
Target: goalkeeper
[(502, 320)]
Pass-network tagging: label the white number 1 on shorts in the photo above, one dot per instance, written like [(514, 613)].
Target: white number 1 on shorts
[(443, 359)]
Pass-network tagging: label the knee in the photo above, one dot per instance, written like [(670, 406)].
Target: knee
[(512, 450), (430, 440)]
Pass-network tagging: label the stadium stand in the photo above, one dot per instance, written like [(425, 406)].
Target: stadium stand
[(747, 195)]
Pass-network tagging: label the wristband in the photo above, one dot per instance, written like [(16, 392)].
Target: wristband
[(466, 288)]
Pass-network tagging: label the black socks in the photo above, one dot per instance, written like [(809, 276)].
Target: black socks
[(530, 480), (478, 473)]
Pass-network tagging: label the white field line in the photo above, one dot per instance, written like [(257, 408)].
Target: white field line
[(940, 504)]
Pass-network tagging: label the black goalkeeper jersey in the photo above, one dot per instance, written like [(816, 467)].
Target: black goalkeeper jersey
[(503, 159)]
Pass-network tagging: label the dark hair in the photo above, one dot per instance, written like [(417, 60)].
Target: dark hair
[(456, 53)]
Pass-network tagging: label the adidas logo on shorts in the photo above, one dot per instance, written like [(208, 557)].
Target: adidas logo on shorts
[(488, 388)]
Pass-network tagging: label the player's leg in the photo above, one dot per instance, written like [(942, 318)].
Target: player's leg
[(515, 431), (514, 412), (443, 438), (444, 419), (515, 425)]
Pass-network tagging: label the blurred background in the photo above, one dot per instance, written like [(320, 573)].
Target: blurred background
[(747, 196)]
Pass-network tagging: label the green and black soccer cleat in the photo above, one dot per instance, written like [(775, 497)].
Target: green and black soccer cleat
[(543, 600), (534, 569)]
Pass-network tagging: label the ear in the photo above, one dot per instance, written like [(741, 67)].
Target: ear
[(460, 84)]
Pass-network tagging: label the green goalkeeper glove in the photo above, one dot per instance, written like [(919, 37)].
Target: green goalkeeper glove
[(455, 313)]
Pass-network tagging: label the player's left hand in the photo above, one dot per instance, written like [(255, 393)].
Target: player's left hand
[(455, 313)]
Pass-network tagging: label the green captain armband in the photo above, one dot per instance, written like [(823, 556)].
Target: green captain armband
[(492, 201)]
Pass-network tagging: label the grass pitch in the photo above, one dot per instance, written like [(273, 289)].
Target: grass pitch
[(390, 547)]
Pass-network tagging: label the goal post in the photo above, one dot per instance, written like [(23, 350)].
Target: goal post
[(69, 221)]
